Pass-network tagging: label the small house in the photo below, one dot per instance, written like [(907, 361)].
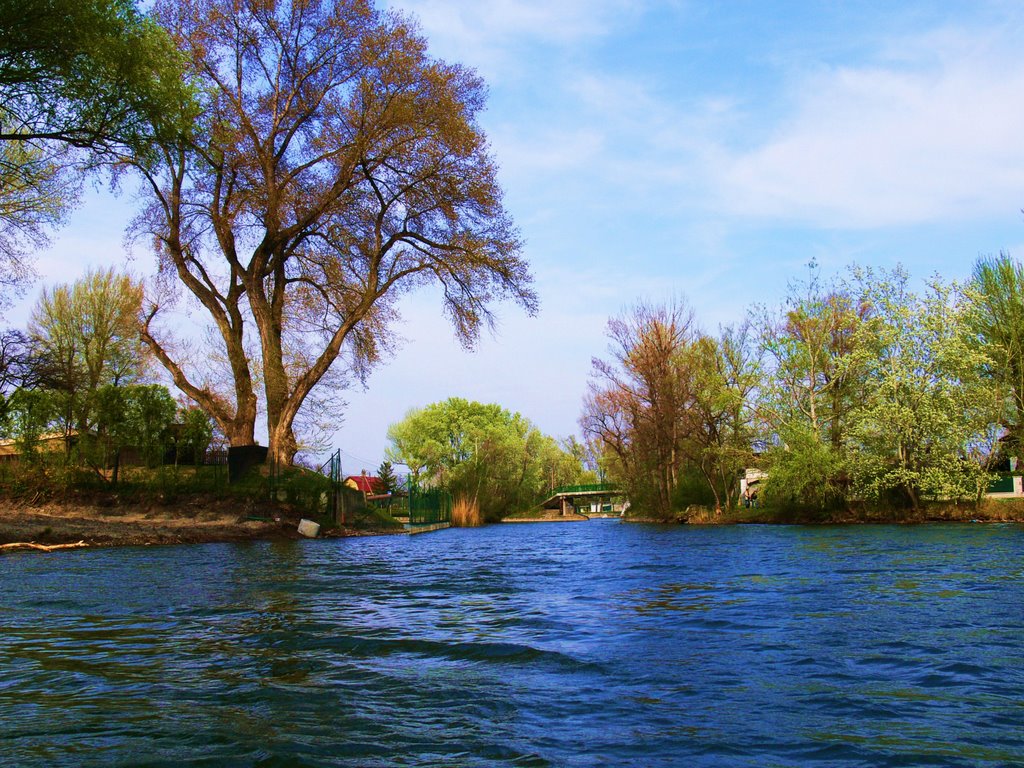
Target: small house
[(50, 443), (367, 484)]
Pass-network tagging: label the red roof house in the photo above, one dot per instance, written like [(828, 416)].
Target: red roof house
[(365, 483)]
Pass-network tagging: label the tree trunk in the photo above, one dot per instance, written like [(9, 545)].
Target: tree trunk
[(915, 501), (282, 446)]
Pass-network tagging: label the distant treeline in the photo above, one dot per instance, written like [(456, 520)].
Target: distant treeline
[(856, 392), (77, 394)]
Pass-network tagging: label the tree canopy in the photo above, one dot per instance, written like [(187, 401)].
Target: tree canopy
[(671, 400), (335, 167), (996, 318), (813, 382), (91, 75), (925, 404), (94, 74), (482, 453), (854, 394), (86, 335)]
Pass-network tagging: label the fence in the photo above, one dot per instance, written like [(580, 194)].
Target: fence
[(432, 505)]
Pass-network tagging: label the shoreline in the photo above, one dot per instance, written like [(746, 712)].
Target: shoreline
[(105, 522), (994, 509), (190, 521)]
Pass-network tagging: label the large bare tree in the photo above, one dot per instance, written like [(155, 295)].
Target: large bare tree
[(336, 166)]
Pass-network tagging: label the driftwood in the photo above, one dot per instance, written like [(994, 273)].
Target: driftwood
[(40, 547)]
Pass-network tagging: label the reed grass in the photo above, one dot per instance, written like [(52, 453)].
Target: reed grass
[(466, 513)]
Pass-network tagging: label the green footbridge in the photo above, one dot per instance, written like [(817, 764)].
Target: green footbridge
[(566, 497)]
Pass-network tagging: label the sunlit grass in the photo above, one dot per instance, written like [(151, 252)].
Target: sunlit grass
[(466, 513)]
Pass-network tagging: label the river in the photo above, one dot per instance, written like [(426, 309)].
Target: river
[(557, 644)]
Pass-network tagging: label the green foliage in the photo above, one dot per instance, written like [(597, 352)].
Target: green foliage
[(386, 475), (725, 374), (92, 75), (807, 473), (150, 413), (95, 74), (481, 453), (194, 435), (372, 519), (29, 414), (995, 319), (86, 336), (926, 402), (813, 384), (692, 489), (864, 393)]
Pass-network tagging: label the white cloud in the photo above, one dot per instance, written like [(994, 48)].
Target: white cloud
[(932, 136), (491, 35), (927, 130)]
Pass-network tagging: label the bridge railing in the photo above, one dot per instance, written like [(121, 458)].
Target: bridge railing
[(591, 488)]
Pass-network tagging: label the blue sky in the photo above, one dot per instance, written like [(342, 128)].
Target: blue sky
[(704, 150)]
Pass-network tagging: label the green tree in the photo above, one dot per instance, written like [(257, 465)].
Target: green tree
[(926, 402), (812, 384), (151, 411), (87, 335), (996, 318), (386, 475), (726, 374), (29, 415), (194, 435), (335, 167), (481, 453), (114, 433), (93, 75), (137, 416)]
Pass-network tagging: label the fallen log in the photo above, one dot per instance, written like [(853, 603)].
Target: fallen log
[(40, 547)]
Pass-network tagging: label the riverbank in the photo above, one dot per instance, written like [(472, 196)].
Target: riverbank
[(991, 510), (196, 519), (544, 516), (106, 521)]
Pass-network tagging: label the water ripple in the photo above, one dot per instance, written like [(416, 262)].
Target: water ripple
[(593, 644)]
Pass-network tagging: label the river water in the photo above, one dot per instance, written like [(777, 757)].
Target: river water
[(560, 644)]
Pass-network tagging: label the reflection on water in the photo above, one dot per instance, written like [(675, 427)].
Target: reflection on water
[(546, 645)]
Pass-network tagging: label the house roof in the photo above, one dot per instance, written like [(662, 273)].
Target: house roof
[(365, 483)]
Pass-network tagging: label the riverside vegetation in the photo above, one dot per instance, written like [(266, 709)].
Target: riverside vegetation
[(292, 212), (859, 398)]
